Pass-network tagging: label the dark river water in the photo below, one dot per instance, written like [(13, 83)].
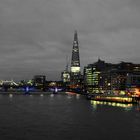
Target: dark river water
[(66, 117)]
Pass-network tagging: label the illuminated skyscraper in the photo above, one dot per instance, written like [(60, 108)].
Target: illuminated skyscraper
[(65, 75), (75, 61)]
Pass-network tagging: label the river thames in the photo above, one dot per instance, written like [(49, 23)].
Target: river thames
[(66, 117)]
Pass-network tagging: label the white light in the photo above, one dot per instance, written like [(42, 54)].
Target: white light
[(75, 69)]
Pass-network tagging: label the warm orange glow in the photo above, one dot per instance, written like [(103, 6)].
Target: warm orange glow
[(71, 93), (74, 86), (118, 99), (137, 91)]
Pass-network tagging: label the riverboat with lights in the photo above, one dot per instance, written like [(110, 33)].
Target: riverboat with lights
[(113, 98)]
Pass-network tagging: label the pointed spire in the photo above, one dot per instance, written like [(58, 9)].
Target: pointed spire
[(75, 36), (75, 61)]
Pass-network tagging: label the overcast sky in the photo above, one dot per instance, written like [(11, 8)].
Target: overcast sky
[(36, 35)]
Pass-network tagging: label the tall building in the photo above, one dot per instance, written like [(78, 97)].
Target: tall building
[(40, 81), (117, 78), (95, 79), (65, 75), (75, 62)]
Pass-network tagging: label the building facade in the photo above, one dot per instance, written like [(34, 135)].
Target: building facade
[(75, 72), (95, 75), (119, 78), (65, 76)]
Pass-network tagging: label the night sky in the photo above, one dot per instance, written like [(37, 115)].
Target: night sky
[(36, 35)]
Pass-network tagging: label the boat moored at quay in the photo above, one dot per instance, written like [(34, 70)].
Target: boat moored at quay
[(113, 98)]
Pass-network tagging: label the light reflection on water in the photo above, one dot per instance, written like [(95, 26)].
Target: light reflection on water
[(126, 107), (66, 117), (51, 95)]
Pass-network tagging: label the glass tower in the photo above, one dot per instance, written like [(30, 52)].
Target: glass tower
[(75, 61)]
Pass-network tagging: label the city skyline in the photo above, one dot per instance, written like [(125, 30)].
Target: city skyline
[(36, 36)]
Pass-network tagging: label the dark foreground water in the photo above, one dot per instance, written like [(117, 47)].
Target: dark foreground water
[(66, 117)]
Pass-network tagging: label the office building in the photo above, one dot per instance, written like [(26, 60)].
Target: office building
[(75, 62)]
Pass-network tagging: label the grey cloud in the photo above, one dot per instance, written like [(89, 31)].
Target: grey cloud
[(36, 35)]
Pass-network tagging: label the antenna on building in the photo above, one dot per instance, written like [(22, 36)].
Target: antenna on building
[(67, 65)]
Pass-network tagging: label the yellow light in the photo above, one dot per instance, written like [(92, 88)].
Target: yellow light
[(122, 92), (95, 103)]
